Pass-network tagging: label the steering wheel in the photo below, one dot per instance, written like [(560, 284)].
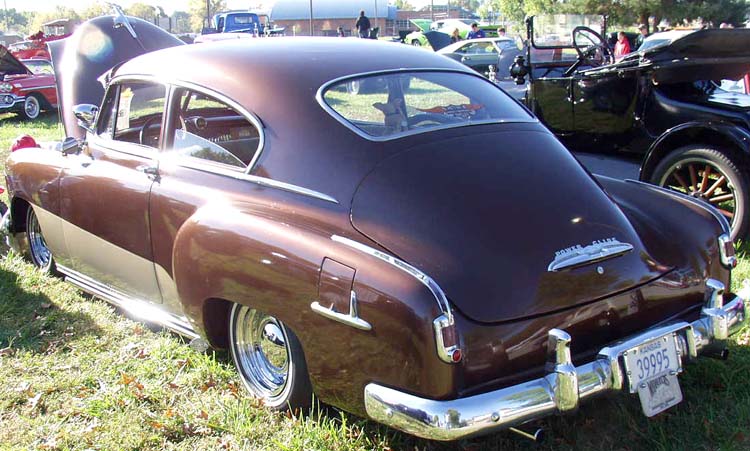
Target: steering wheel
[(591, 47), (143, 135), (431, 117)]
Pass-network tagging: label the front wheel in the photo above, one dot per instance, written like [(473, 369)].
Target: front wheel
[(712, 175), (416, 43), (32, 107), (39, 253), (269, 359)]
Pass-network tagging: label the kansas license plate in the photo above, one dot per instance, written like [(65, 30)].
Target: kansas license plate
[(652, 371)]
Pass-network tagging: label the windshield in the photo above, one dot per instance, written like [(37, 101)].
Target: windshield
[(390, 105), (556, 30), (39, 67)]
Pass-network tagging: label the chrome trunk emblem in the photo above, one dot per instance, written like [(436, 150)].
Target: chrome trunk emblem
[(583, 255)]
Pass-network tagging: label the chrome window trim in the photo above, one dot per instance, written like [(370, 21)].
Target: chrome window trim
[(128, 148), (423, 278), (726, 228), (177, 83), (348, 124)]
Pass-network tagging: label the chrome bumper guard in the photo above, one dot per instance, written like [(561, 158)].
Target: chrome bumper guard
[(564, 385)]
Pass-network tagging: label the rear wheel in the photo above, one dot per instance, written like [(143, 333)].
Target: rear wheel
[(353, 87), (269, 358), (39, 253), (712, 175), (32, 106), (416, 43)]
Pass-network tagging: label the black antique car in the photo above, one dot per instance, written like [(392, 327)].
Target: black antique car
[(663, 107)]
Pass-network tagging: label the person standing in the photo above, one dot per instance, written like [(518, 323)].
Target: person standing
[(501, 32), (363, 25), (455, 37), (642, 34), (475, 32), (340, 32), (622, 47)]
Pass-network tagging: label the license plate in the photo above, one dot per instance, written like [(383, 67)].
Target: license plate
[(651, 360), (659, 394)]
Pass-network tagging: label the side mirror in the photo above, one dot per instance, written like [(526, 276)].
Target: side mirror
[(86, 114), (518, 70)]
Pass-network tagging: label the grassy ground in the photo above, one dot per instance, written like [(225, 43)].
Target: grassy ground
[(77, 374)]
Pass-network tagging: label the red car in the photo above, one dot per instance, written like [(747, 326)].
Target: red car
[(36, 45), (27, 87)]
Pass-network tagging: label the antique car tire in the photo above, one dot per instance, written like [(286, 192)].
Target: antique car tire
[(416, 43), (39, 253), (281, 381), (685, 164), (32, 106)]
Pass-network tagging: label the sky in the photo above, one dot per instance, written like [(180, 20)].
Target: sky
[(169, 5)]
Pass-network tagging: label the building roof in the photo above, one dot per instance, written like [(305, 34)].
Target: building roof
[(331, 9)]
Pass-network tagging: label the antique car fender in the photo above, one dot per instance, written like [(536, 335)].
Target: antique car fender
[(232, 254), (663, 217), (723, 134)]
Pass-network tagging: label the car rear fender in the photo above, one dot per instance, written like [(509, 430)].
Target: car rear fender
[(282, 268), (721, 134)]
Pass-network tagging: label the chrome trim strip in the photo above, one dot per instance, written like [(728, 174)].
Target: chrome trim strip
[(423, 278), (718, 216), (562, 389), (729, 261), (37, 87), (362, 134), (351, 319), (239, 175), (446, 353), (143, 310)]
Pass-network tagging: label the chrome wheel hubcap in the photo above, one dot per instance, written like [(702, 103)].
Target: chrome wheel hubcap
[(261, 352), (40, 253), (32, 107)]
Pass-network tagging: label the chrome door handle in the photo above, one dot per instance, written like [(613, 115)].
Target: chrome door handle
[(150, 170)]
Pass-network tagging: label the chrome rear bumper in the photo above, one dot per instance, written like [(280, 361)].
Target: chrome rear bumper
[(564, 385)]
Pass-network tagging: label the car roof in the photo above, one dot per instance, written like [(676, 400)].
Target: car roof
[(288, 65), (455, 45)]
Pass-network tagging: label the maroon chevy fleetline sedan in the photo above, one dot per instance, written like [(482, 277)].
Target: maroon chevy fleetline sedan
[(426, 254)]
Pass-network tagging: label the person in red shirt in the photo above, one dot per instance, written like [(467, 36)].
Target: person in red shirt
[(622, 47)]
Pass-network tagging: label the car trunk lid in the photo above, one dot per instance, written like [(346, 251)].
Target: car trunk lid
[(508, 223)]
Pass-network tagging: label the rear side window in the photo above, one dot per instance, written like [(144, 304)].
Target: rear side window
[(390, 105), (209, 131)]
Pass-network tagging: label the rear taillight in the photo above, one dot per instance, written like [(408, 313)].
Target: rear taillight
[(446, 339), (726, 250), (23, 142)]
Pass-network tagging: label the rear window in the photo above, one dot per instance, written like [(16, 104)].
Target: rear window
[(390, 105)]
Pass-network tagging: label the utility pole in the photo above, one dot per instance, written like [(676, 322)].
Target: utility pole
[(376, 13), (5, 6), (449, 9), (208, 13), (311, 19), (432, 10)]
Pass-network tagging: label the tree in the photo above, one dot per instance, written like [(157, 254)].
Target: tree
[(181, 22), (39, 19), (13, 20), (95, 10), (143, 11), (404, 5), (197, 9)]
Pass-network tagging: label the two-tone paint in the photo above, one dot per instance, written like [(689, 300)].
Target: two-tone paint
[(421, 233)]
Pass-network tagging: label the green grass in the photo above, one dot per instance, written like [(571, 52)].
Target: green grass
[(78, 374)]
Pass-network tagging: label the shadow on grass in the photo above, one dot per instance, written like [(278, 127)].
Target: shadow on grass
[(46, 117), (31, 321)]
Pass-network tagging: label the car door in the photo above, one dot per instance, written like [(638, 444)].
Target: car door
[(105, 192), (479, 55), (549, 94)]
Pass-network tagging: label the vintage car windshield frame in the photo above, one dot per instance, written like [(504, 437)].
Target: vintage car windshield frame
[(530, 31), (348, 124)]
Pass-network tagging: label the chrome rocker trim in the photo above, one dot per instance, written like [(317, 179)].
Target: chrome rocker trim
[(143, 310), (563, 387)]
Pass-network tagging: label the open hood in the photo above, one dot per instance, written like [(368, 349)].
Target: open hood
[(9, 65), (711, 54), (97, 46), (422, 24), (508, 231), (437, 39)]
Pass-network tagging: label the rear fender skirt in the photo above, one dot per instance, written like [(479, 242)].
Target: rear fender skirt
[(273, 264)]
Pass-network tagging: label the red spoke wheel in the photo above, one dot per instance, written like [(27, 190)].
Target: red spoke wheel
[(711, 175)]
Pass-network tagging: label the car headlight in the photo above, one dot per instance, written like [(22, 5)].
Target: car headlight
[(726, 250), (6, 87)]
